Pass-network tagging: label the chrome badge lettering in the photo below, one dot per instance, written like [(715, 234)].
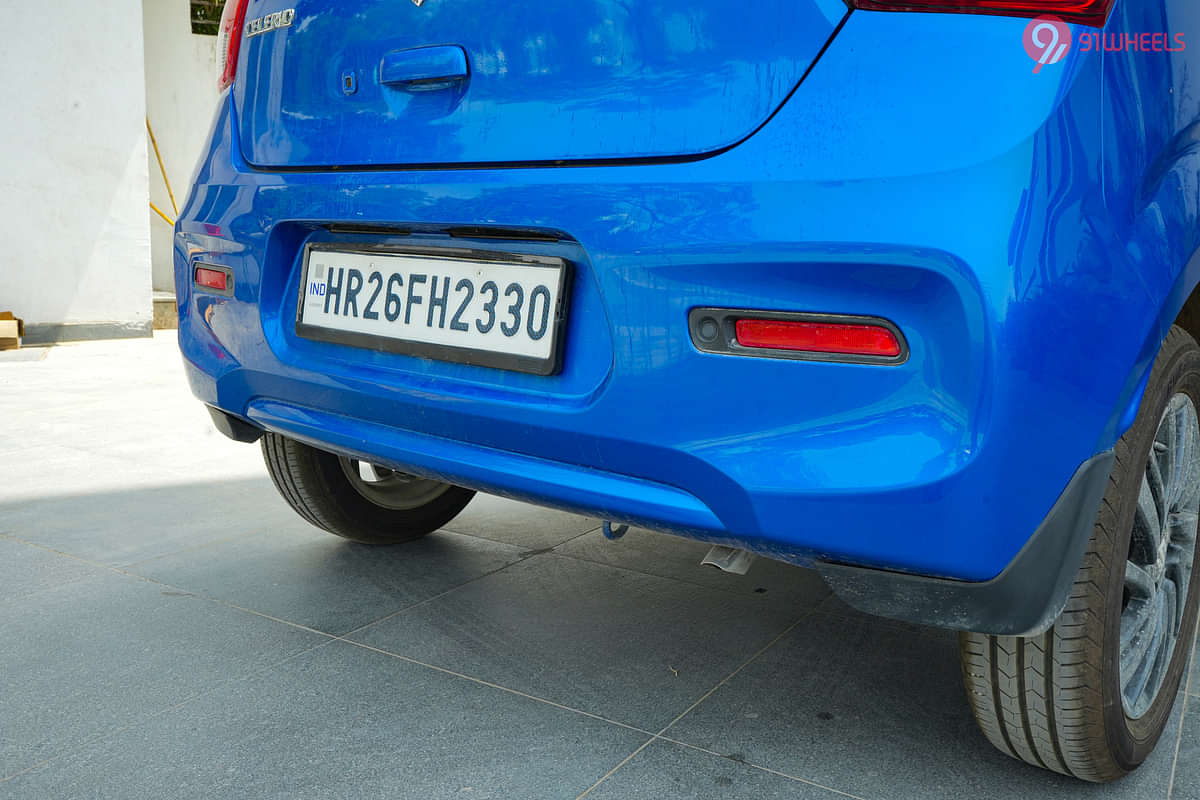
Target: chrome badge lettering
[(270, 22)]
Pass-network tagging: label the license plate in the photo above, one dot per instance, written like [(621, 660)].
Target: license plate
[(495, 310)]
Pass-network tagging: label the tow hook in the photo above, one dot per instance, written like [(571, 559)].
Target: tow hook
[(614, 532)]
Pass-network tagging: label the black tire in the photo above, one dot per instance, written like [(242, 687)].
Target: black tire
[(1056, 700), (317, 485)]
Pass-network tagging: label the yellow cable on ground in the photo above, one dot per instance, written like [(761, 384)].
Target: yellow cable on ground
[(163, 170)]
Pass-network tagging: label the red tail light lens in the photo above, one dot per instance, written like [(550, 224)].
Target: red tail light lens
[(229, 40), (1088, 12), (818, 337), (215, 279)]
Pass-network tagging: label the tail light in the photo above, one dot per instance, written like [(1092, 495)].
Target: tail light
[(797, 335), (229, 40), (816, 337), (216, 279), (1088, 12)]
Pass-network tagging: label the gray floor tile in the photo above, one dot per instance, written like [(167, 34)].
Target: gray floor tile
[(634, 648), (47, 470), (836, 607), (675, 557), (123, 526), (25, 569), (1187, 765), (521, 524), (1194, 685), (24, 354), (85, 657), (304, 575), (342, 721), (879, 713), (665, 770)]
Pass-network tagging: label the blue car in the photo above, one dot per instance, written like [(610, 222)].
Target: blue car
[(900, 290)]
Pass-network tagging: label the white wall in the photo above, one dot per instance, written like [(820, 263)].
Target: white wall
[(181, 97), (76, 244)]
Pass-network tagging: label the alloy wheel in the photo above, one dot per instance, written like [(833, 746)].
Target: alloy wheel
[(388, 488), (1162, 550)]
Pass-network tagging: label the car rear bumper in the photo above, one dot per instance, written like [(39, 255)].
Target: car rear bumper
[(1023, 600), (942, 466)]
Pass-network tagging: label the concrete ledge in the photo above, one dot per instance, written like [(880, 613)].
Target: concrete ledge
[(54, 332), (166, 315)]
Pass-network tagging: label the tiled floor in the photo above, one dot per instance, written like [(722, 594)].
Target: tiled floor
[(169, 628)]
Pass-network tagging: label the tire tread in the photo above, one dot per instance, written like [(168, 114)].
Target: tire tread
[(1040, 699), (308, 480)]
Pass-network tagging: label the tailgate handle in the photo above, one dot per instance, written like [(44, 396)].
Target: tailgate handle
[(424, 69)]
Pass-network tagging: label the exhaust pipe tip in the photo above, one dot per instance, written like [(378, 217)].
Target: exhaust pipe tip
[(729, 559)]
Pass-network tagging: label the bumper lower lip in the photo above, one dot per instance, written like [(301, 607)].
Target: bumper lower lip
[(1023, 600), (617, 497), (237, 429)]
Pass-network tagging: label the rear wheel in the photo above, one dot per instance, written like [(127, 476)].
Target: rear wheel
[(1092, 695), (358, 500)]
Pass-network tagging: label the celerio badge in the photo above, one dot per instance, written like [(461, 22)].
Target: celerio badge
[(270, 22)]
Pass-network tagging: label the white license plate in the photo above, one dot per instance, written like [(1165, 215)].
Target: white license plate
[(495, 310)]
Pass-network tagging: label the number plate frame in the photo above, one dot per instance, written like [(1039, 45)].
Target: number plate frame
[(495, 359)]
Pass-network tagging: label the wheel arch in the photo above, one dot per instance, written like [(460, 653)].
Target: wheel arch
[(1188, 317), (1181, 306)]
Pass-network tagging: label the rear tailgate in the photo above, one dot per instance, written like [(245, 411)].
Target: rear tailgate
[(552, 81)]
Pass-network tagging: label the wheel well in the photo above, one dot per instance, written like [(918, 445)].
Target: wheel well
[(1189, 315)]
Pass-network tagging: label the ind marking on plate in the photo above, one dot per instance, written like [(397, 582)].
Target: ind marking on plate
[(492, 306)]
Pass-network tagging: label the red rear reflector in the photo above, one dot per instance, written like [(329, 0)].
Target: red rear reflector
[(1088, 12), (212, 279), (818, 337), (229, 41)]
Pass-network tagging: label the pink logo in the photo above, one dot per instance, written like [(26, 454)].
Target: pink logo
[(1047, 40)]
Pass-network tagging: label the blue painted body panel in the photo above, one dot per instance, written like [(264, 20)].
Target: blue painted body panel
[(560, 79), (1033, 236)]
